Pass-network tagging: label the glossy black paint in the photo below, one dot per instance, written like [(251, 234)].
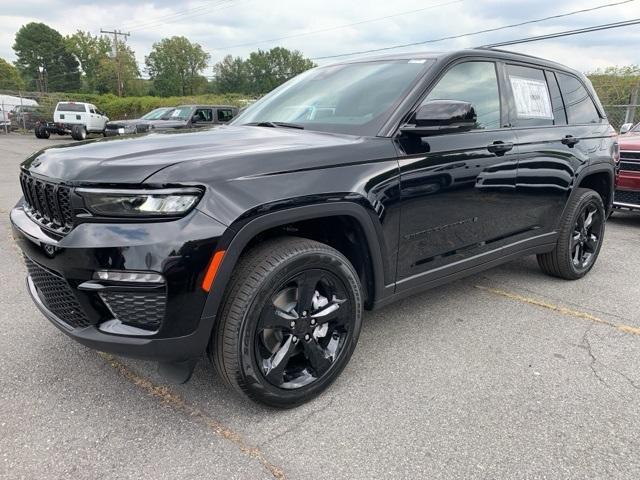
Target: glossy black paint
[(431, 208)]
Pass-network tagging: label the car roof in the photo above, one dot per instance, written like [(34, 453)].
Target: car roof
[(495, 53)]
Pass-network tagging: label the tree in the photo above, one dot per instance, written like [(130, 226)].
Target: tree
[(231, 75), (106, 76), (175, 65), (9, 76), (261, 72), (90, 51), (42, 53)]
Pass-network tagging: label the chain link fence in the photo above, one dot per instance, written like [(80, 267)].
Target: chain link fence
[(618, 115)]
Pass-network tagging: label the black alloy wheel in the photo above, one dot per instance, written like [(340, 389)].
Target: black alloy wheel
[(289, 323), (580, 237), (302, 329), (587, 234)]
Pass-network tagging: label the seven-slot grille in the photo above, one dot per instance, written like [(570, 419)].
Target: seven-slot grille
[(57, 295), (48, 203), (630, 161)]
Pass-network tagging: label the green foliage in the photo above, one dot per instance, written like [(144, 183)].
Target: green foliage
[(133, 107), (40, 46), (107, 76), (9, 76), (175, 66), (89, 50), (261, 72), (614, 85)]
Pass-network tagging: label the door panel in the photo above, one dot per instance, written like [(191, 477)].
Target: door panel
[(457, 199)]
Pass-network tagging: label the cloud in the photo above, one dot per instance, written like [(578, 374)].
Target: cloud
[(220, 25)]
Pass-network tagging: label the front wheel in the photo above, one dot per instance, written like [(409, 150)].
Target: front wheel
[(78, 132), (580, 237), (290, 322)]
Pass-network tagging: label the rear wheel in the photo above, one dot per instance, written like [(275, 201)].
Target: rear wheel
[(290, 322), (78, 132), (580, 237)]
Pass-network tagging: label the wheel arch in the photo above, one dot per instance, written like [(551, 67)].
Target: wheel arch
[(241, 235), (600, 178)]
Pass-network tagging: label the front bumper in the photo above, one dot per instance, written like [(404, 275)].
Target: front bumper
[(627, 194), (179, 250)]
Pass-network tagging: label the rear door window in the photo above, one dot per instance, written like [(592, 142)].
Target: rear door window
[(577, 101), (531, 98), (224, 114)]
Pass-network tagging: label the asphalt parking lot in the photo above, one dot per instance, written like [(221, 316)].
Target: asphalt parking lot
[(506, 374)]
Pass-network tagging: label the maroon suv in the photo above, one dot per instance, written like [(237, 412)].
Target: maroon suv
[(627, 195)]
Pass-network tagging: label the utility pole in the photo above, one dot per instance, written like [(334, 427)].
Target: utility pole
[(116, 34)]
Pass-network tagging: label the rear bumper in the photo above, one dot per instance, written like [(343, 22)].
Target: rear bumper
[(179, 250)]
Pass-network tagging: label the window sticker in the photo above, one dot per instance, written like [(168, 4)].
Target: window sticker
[(532, 98)]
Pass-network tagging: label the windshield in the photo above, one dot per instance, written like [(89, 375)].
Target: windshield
[(156, 114), (636, 128), (180, 113), (353, 98)]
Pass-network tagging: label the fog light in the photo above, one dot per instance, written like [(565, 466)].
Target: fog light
[(124, 276)]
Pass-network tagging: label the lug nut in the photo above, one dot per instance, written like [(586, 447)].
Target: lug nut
[(293, 323), (304, 314), (307, 337), (295, 339), (313, 321)]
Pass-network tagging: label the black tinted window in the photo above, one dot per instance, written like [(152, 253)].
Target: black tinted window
[(71, 107), (203, 115), (224, 114), (473, 82), (531, 97), (578, 103)]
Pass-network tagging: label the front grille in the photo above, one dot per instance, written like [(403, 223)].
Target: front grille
[(47, 203), (630, 155), (626, 196), (630, 166), (143, 310), (57, 295)]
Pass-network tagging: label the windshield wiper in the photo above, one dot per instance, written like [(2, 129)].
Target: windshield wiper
[(276, 124)]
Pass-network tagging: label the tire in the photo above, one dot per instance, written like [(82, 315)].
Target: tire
[(42, 132), (36, 131), (263, 292), (78, 132), (580, 237)]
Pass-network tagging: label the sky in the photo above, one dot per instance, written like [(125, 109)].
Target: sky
[(321, 28)]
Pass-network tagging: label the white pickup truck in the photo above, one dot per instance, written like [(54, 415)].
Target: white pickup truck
[(75, 118)]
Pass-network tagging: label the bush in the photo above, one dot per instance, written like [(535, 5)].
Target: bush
[(133, 107)]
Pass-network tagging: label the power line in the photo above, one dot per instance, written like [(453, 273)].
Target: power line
[(134, 24), (329, 29), (223, 5), (488, 30), (566, 33)]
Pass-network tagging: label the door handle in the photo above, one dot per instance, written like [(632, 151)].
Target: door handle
[(500, 148), (570, 140)]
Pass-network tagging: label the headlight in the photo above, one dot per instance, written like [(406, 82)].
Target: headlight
[(140, 203)]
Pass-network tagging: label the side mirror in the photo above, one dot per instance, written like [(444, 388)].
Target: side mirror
[(441, 116), (625, 128)]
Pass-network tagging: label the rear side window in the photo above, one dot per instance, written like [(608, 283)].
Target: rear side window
[(580, 108), (224, 114), (532, 105), (473, 82), (71, 107)]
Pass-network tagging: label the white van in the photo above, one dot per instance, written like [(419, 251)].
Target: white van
[(79, 119)]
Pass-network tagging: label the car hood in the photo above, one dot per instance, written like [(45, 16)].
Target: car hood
[(629, 141), (227, 151)]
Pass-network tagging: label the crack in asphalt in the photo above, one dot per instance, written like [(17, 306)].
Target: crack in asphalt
[(166, 396), (592, 365)]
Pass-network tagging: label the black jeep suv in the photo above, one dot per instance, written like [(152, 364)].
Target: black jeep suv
[(349, 187)]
